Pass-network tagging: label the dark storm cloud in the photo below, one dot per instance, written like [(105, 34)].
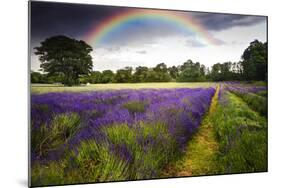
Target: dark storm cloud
[(217, 22), (75, 20)]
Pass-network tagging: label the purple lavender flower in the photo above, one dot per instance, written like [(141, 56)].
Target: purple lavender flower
[(181, 110)]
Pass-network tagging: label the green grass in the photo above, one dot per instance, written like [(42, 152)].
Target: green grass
[(258, 102), (262, 93), (45, 88), (135, 106), (242, 136), (259, 83)]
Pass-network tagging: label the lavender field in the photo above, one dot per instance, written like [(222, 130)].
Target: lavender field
[(126, 93), (119, 135), (128, 134)]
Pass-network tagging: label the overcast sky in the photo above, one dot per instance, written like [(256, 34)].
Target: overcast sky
[(146, 42)]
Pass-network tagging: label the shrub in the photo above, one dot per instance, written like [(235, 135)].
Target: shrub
[(49, 137)]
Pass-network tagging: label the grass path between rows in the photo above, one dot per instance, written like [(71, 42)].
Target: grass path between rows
[(200, 158)]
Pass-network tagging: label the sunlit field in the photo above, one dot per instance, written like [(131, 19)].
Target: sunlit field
[(44, 88)]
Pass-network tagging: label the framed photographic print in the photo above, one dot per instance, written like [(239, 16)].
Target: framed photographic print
[(126, 93)]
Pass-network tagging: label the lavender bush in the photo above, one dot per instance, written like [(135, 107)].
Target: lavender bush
[(254, 96), (111, 135), (240, 130)]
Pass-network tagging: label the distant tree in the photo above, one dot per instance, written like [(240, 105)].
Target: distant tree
[(208, 74), (54, 78), (191, 72), (254, 61), (84, 79), (161, 67), (202, 70), (152, 76), (140, 74), (159, 73), (107, 76), (216, 72), (95, 77), (65, 56), (238, 71), (124, 75), (227, 71), (173, 71), (36, 77)]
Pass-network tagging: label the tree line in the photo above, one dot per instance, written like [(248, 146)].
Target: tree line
[(75, 68)]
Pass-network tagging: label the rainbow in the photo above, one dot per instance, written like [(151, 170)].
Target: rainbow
[(186, 21)]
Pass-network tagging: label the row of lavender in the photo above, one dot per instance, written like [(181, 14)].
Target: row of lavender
[(141, 129), (254, 96), (241, 128), (242, 88)]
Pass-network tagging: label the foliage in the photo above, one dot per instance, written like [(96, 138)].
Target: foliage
[(124, 75), (107, 76), (255, 61), (140, 74), (255, 97), (191, 72), (174, 72), (242, 136), (36, 77), (69, 58), (252, 67), (160, 73), (226, 71), (95, 77)]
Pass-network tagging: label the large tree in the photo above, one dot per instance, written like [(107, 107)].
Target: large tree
[(255, 61), (61, 55)]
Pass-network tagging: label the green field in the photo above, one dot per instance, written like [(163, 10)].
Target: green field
[(46, 88)]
